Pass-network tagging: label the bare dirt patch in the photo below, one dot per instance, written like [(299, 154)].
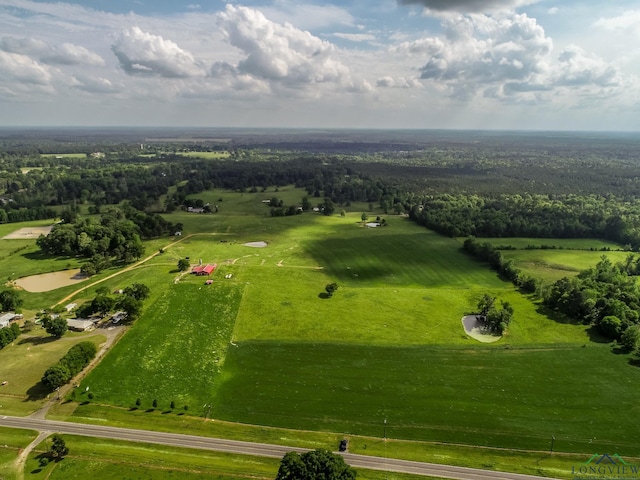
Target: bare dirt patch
[(50, 281), (475, 329), (28, 233)]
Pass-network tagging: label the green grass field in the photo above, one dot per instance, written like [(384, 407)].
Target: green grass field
[(510, 398), (175, 353), (265, 348)]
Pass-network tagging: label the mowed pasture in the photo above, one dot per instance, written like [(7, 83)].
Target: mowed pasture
[(509, 398), (551, 259)]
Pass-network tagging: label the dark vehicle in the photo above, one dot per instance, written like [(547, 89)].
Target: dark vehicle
[(344, 443)]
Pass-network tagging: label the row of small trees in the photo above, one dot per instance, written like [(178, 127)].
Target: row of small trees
[(154, 404), (70, 365)]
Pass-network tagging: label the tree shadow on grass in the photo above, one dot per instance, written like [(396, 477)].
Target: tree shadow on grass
[(552, 314), (634, 361), (37, 392), (596, 337), (324, 295), (38, 340)]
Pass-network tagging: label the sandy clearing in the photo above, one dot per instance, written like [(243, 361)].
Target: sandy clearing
[(50, 281), (28, 233), (473, 328)]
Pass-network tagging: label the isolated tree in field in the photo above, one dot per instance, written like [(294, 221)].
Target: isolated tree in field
[(318, 464), (331, 288), (55, 326), (364, 217), (183, 265), (172, 405), (138, 402), (58, 449), (154, 403)]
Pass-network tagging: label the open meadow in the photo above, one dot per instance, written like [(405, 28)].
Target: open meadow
[(266, 347)]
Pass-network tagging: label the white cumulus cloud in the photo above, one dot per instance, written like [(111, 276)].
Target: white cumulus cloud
[(21, 68), (64, 54), (280, 53), (142, 53)]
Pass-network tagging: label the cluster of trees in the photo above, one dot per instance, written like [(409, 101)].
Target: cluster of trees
[(70, 365), (10, 300), (9, 334), (495, 320), (130, 302), (319, 464), (606, 296), (113, 238)]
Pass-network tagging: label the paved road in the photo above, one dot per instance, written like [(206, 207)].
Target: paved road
[(257, 449)]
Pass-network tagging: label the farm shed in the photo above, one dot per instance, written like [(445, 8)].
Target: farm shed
[(8, 317), (80, 324), (207, 269)]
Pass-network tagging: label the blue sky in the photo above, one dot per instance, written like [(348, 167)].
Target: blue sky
[(468, 64)]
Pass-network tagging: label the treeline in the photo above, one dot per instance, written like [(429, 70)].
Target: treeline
[(506, 268), (537, 216), (70, 365), (24, 214)]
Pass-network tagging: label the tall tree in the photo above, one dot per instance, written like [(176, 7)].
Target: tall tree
[(317, 464)]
